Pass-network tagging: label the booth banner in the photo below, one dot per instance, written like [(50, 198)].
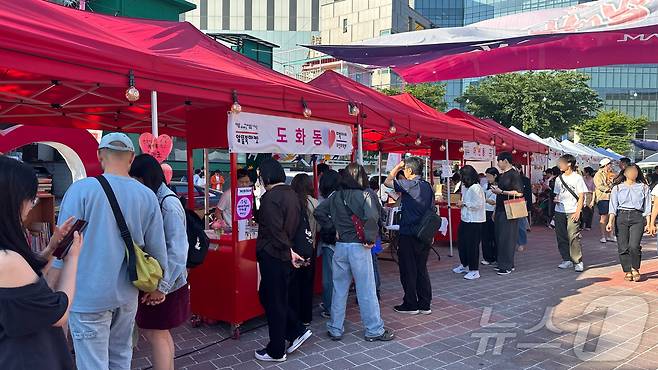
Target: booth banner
[(478, 152), (539, 160), (259, 133)]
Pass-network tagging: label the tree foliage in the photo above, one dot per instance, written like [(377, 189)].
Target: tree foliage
[(432, 94), (611, 129), (546, 103)]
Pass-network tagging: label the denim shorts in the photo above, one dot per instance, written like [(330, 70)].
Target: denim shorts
[(603, 206)]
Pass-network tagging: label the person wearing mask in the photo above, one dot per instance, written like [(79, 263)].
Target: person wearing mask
[(31, 313), (489, 250), (509, 186), (301, 286), (217, 181), (603, 183), (328, 185), (353, 212), (156, 320), (224, 210), (588, 208), (473, 216), (103, 267), (524, 224), (570, 192), (279, 217), (417, 199), (630, 212)]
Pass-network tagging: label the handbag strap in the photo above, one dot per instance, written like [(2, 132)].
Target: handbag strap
[(123, 227), (564, 185)]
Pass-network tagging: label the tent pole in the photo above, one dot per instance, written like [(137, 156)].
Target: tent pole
[(379, 169), (154, 113), (206, 200), (449, 210), (359, 143), (190, 174)]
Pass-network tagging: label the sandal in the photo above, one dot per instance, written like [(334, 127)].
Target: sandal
[(629, 276), (636, 275)]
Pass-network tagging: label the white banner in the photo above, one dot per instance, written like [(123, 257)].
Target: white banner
[(259, 133), (478, 152)]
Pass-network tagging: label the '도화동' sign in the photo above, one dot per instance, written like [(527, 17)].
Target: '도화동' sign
[(259, 133)]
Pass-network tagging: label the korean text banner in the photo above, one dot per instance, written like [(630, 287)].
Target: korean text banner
[(478, 152), (259, 133)]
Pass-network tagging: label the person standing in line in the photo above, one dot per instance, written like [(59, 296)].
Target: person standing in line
[(417, 198), (278, 220), (630, 212), (328, 186), (32, 313), (489, 250), (603, 183), (156, 320), (570, 192), (588, 208), (473, 216), (353, 211), (509, 186), (106, 300), (524, 223), (301, 285)]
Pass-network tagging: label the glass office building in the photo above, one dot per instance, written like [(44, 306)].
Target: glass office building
[(632, 89)]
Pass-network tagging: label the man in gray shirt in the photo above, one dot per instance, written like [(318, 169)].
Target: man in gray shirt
[(103, 311)]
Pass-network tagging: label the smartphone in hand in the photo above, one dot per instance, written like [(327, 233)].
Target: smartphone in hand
[(63, 247)]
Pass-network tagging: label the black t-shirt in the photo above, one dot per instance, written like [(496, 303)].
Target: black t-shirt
[(417, 199), (28, 339), (508, 181)]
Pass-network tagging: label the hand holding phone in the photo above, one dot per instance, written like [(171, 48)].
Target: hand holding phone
[(64, 246)]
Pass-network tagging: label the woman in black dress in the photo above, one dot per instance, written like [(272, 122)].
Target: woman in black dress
[(31, 313)]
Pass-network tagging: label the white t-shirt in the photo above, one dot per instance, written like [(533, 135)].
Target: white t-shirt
[(565, 202), (224, 206)]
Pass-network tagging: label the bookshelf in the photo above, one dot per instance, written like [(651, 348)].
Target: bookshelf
[(41, 222)]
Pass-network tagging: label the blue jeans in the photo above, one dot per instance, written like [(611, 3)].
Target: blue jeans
[(523, 231), (353, 260), (327, 276), (103, 340)]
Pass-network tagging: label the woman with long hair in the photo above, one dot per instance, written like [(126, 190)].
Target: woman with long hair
[(353, 212), (473, 216), (329, 184), (301, 284), (155, 320), (588, 207), (31, 313), (489, 250), (630, 213)]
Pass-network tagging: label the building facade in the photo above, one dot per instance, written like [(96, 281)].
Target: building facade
[(632, 89)]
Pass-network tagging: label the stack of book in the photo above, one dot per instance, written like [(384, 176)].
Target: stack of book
[(39, 235), (45, 185)]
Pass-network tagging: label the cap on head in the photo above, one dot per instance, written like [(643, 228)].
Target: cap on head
[(110, 141), (604, 162)]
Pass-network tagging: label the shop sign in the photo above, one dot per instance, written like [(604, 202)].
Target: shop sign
[(478, 152), (259, 133), (244, 204)]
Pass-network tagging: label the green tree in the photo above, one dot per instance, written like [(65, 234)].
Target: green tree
[(611, 129), (432, 94), (546, 103)]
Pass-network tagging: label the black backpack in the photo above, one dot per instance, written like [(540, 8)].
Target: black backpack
[(196, 236), (429, 223), (303, 241)]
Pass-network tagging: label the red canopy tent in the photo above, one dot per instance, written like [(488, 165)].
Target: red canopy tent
[(379, 110), (64, 67)]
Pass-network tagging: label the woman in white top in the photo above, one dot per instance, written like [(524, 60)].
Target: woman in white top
[(473, 217), (489, 249)]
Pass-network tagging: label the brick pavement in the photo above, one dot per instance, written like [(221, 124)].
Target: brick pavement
[(598, 321)]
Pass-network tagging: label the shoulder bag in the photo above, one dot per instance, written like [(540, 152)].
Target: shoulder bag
[(429, 224)]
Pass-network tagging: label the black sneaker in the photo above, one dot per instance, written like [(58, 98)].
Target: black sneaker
[(335, 338), (504, 272), (388, 335), (261, 355), (404, 310)]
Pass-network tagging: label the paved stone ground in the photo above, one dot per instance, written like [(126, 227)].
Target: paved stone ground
[(596, 321)]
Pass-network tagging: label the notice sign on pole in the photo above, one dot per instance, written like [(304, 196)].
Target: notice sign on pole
[(244, 203), (259, 133), (478, 152)]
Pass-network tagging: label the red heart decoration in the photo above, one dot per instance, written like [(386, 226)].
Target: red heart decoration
[(168, 172), (159, 147), (332, 138)]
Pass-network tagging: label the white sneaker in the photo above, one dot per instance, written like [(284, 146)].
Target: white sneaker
[(579, 267), (612, 239), (485, 262), (299, 341), (261, 355), (565, 265), (460, 269), (472, 275), (603, 240)]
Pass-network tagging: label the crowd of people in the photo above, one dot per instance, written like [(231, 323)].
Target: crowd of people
[(89, 291)]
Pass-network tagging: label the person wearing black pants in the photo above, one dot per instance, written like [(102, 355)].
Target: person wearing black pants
[(470, 228), (415, 279), (509, 186), (278, 220), (300, 294), (489, 249)]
